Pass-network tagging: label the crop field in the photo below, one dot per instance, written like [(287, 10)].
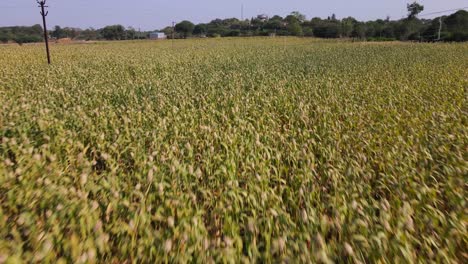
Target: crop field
[(234, 150)]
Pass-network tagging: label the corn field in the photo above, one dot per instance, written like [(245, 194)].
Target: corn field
[(234, 150)]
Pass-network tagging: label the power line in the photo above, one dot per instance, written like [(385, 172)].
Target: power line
[(438, 12), (11, 7), (445, 11)]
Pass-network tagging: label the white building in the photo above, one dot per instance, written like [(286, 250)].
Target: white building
[(157, 35)]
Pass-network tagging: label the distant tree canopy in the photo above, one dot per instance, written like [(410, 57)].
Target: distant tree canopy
[(21, 34), (414, 9), (296, 24), (454, 28), (66, 32), (301, 18), (295, 28), (115, 32), (57, 33), (200, 30), (185, 28)]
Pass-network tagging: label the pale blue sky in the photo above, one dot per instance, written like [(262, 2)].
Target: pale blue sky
[(153, 14)]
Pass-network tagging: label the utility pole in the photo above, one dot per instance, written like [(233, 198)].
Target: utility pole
[(46, 37), (440, 27), (242, 12), (173, 33)]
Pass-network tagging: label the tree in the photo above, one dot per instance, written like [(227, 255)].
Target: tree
[(291, 19), (115, 32), (4, 38), (167, 31), (308, 31), (185, 28), (295, 29), (409, 29), (326, 28), (276, 17), (389, 30), (36, 29), (457, 26), (20, 39), (57, 33), (21, 34), (200, 29), (217, 28), (414, 9), (68, 32), (375, 29), (258, 23), (300, 17), (89, 34), (347, 26), (273, 24), (130, 33), (359, 30), (454, 28)]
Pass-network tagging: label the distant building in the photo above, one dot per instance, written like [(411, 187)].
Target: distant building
[(262, 17), (157, 35)]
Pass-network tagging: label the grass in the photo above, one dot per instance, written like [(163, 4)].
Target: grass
[(240, 150)]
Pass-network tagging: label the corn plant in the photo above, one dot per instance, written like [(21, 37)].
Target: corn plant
[(234, 150)]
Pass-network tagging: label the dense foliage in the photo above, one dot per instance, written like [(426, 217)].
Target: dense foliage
[(21, 35), (184, 28), (454, 28), (262, 150)]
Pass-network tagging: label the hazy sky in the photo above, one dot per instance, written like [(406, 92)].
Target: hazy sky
[(153, 14)]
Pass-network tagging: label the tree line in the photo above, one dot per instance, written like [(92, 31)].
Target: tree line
[(453, 27), (411, 28), (22, 35)]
